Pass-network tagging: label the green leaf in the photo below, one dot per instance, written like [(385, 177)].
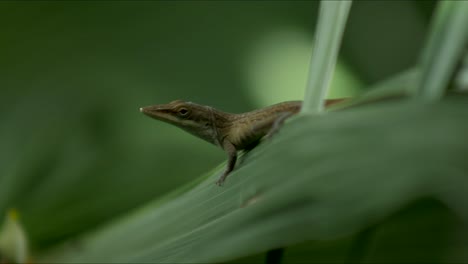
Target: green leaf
[(330, 27), (444, 49), (320, 178)]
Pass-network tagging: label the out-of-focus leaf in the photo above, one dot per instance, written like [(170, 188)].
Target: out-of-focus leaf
[(330, 27), (13, 240), (444, 49), (395, 87), (320, 178)]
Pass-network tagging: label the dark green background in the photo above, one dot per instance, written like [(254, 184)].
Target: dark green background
[(74, 150)]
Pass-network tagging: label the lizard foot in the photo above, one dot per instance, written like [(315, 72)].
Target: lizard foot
[(219, 182)]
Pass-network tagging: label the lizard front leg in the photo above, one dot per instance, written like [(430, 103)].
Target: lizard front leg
[(231, 151)]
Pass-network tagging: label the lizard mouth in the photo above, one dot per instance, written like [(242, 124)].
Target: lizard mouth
[(157, 112), (150, 111), (146, 110)]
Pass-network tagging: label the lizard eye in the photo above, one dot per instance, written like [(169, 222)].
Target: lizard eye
[(183, 112)]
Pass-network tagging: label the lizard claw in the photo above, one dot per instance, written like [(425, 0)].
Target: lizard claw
[(219, 182), (221, 179)]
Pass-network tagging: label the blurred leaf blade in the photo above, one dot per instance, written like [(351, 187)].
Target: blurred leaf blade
[(314, 201), (392, 88), (444, 49), (330, 27)]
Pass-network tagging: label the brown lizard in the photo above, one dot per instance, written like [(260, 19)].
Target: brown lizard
[(231, 132)]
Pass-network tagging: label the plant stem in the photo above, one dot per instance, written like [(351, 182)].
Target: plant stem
[(447, 40), (330, 27)]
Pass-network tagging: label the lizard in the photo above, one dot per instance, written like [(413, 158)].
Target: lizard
[(231, 132)]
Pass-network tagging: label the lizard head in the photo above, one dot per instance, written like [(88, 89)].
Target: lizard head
[(193, 118)]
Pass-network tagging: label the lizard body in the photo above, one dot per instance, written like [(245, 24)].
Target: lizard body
[(231, 132)]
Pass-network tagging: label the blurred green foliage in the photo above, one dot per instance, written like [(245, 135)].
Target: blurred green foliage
[(75, 153)]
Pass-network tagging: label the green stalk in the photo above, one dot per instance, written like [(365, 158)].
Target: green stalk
[(330, 27), (447, 40)]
